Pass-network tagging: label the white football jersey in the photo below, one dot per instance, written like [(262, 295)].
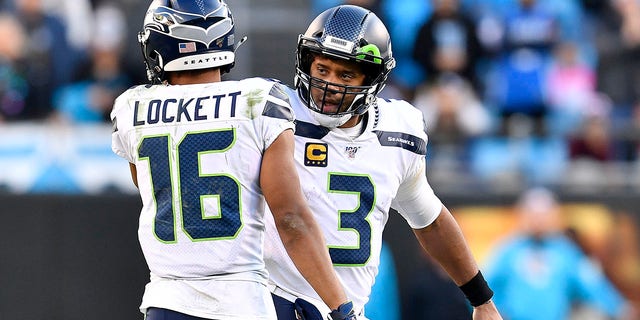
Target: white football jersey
[(198, 150), (350, 184)]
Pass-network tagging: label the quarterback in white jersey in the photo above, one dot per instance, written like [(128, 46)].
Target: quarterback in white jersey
[(208, 156), (358, 156), (352, 182)]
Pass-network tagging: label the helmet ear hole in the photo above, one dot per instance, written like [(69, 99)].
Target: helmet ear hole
[(153, 55), (307, 59)]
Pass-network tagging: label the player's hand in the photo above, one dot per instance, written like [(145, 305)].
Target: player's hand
[(343, 312), (487, 311)]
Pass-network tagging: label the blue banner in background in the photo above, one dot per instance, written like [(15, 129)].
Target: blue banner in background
[(55, 158)]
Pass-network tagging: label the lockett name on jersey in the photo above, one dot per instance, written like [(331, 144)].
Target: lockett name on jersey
[(185, 109)]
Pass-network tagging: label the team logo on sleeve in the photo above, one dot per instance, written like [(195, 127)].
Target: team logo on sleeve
[(315, 154)]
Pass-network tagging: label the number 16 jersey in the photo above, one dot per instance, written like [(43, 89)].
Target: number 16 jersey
[(197, 150)]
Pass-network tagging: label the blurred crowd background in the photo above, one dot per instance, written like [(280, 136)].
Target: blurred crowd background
[(516, 94)]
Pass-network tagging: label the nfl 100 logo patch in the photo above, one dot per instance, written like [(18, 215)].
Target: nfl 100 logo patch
[(351, 151)]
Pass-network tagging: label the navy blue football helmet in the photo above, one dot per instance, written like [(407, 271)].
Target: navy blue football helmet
[(351, 33), (187, 35)]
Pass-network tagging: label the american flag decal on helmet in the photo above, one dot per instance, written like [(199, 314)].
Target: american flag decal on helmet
[(186, 47)]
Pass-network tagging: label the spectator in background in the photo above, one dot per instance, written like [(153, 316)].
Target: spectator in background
[(447, 43), (13, 85), (539, 273), (571, 90), (403, 19), (617, 40), (453, 115), (103, 77), (49, 59), (530, 33), (616, 34), (591, 153), (77, 16), (593, 142)]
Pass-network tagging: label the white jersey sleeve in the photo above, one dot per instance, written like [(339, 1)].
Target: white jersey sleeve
[(416, 201), (197, 150), (350, 185)]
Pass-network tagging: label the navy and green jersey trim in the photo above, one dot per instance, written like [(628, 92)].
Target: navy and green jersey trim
[(274, 110), (310, 130)]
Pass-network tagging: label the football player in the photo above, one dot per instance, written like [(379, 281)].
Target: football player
[(207, 157), (358, 156)]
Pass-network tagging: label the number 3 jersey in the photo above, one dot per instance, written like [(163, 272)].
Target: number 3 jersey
[(350, 185), (198, 150)]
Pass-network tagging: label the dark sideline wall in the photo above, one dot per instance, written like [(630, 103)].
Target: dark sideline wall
[(68, 258)]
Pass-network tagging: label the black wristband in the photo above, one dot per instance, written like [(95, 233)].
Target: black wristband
[(477, 290)]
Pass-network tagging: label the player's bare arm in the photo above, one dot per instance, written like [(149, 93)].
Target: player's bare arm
[(455, 257), (134, 173), (294, 221), (453, 254)]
